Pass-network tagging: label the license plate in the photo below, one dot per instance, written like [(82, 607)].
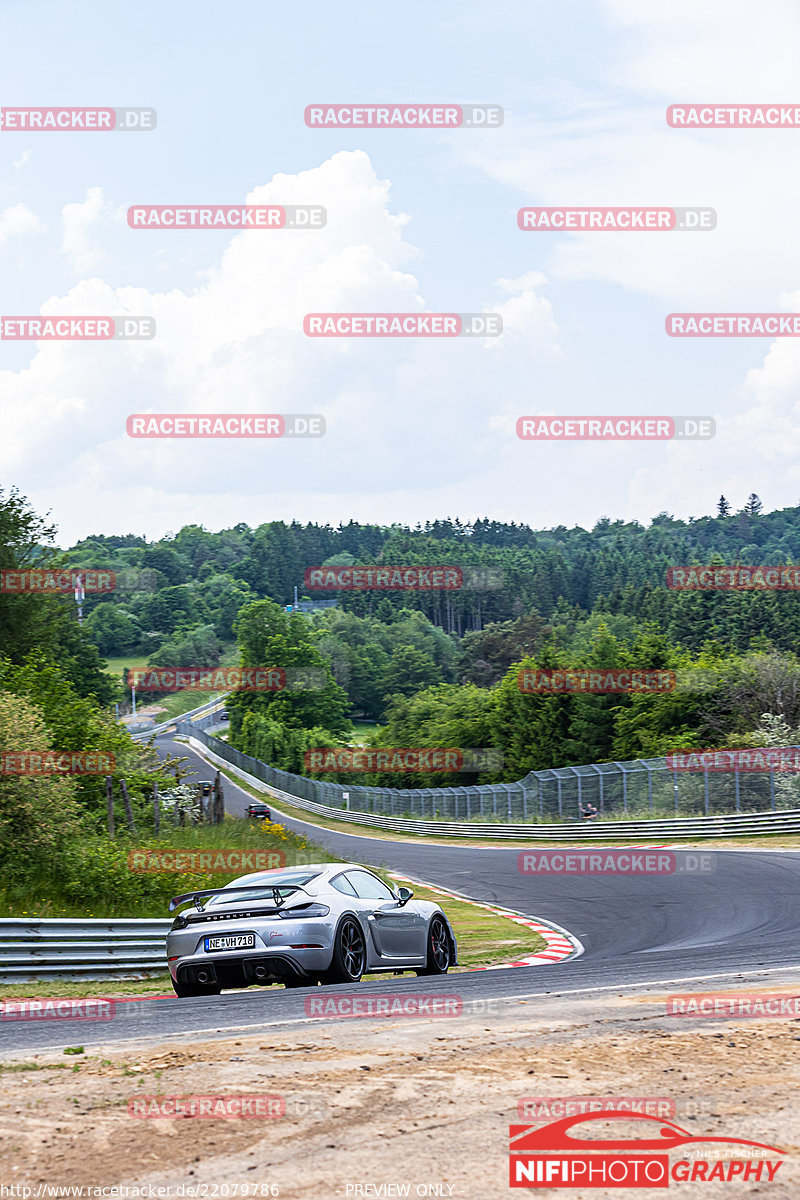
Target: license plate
[(231, 941)]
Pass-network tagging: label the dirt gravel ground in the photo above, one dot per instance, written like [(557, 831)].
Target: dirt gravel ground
[(425, 1103)]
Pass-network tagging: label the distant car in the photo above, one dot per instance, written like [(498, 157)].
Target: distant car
[(300, 926), (205, 787), (224, 715), (258, 812)]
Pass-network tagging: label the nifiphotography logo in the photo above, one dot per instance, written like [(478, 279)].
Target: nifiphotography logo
[(552, 1156)]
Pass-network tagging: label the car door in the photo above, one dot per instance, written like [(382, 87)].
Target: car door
[(397, 930)]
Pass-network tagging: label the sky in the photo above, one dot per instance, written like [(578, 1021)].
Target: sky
[(418, 220)]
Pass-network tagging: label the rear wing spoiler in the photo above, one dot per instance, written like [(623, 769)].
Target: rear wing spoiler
[(196, 897)]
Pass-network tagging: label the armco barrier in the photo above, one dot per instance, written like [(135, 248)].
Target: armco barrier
[(732, 825), (80, 949), (644, 789), (196, 714)]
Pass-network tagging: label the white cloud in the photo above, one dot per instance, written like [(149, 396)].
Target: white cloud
[(756, 448), (78, 223), (16, 221), (406, 417)]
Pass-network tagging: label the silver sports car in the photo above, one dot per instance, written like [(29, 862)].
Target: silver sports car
[(328, 923)]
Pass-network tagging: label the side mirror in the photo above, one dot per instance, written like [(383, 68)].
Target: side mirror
[(404, 894)]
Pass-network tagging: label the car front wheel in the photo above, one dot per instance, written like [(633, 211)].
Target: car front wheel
[(439, 949), (349, 954)]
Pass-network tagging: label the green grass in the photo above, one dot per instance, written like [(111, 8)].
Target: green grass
[(115, 666), (155, 985), (181, 702), (91, 877), (362, 730)]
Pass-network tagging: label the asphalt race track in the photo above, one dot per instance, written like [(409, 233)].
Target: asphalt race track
[(741, 917)]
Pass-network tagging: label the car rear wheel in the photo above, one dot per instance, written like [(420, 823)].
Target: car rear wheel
[(349, 954), (439, 949)]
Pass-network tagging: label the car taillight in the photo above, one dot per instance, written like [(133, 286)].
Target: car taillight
[(309, 910)]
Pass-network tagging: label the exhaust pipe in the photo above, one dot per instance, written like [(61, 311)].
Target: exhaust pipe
[(203, 977), (261, 973)]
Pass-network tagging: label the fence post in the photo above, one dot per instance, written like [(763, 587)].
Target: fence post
[(127, 802), (560, 805), (110, 804), (218, 803), (650, 786), (772, 789), (156, 810), (736, 783), (705, 791)]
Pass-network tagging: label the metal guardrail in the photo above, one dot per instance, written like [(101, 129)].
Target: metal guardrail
[(732, 825), (80, 949), (194, 714), (643, 789)]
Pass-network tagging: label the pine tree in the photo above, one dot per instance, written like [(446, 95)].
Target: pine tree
[(753, 506), (723, 507)]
